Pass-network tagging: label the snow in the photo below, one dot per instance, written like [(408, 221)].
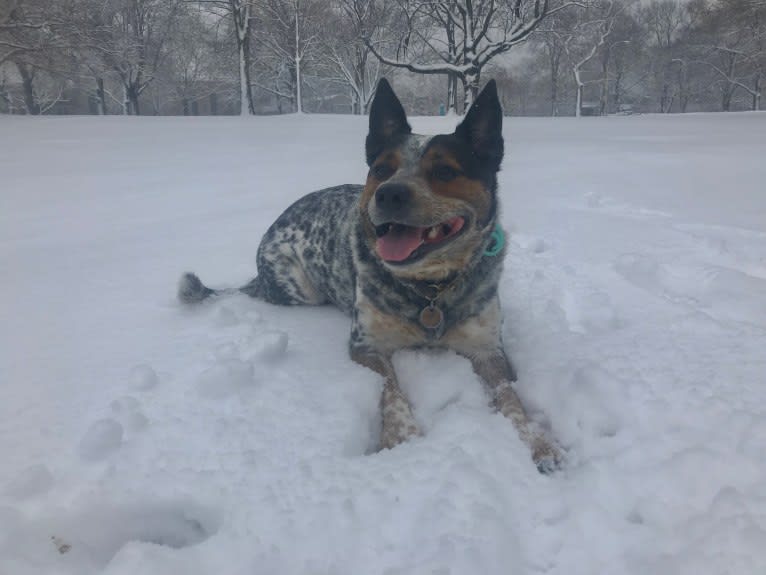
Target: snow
[(138, 436)]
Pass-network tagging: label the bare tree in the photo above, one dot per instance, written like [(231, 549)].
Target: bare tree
[(289, 43), (589, 36), (23, 26), (130, 38), (460, 37), (731, 41), (33, 39), (613, 58), (240, 16), (551, 39), (240, 11), (197, 64), (665, 21), (348, 60)]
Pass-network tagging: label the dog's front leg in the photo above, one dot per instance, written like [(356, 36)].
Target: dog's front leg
[(398, 423), (498, 374), (479, 339)]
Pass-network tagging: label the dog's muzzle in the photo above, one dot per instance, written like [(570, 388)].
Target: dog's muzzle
[(392, 201)]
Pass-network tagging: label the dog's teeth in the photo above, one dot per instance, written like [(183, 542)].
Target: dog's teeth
[(432, 233)]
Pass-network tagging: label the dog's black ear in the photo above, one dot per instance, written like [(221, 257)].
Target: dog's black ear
[(482, 128), (387, 120)]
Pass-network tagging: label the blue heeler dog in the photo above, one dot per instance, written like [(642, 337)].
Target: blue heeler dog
[(414, 257)]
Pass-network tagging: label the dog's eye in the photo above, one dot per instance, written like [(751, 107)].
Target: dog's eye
[(444, 173), (382, 171)]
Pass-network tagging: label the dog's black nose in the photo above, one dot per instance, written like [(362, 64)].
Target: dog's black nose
[(392, 199)]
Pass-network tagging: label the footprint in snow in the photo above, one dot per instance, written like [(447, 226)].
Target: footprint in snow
[(720, 292), (34, 480), (268, 346), (227, 377), (590, 312), (143, 377), (94, 533), (128, 412), (102, 438)]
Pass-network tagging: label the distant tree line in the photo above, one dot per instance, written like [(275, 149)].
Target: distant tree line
[(550, 57)]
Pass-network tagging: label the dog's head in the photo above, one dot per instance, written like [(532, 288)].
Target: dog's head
[(430, 201)]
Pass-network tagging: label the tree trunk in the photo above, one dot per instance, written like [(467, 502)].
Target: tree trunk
[(27, 81), (451, 93), (451, 76), (470, 88), (603, 104), (726, 99), (134, 107), (683, 97), (554, 61), (245, 91), (666, 100), (356, 104), (6, 97), (279, 98), (554, 95), (578, 96), (125, 103), (683, 92), (298, 96), (361, 81), (729, 88), (100, 97), (213, 104), (365, 103), (757, 93), (578, 102), (240, 11), (617, 98)]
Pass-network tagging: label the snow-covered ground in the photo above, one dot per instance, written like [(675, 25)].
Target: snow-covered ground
[(140, 437)]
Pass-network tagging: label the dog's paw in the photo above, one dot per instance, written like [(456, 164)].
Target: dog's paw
[(394, 433), (546, 456)]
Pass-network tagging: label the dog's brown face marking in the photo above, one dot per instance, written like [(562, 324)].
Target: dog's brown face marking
[(382, 169), (447, 177)]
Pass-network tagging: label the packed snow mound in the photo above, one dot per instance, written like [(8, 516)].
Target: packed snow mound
[(142, 436)]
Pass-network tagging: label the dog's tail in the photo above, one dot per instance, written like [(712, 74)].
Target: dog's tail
[(191, 290)]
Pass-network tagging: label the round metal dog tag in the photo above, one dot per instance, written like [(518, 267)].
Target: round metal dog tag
[(431, 317)]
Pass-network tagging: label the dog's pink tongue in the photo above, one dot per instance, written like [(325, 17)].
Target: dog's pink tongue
[(399, 243)]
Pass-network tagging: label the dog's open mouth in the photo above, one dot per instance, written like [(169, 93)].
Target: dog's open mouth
[(399, 243)]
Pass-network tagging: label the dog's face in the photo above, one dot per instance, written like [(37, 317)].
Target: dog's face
[(429, 202)]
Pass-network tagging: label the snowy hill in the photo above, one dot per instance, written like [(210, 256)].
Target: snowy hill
[(139, 437)]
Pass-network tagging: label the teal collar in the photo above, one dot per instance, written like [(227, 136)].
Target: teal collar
[(498, 242)]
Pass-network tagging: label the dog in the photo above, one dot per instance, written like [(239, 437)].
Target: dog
[(414, 257)]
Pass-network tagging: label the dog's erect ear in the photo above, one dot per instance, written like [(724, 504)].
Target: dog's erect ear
[(387, 120), (482, 128)]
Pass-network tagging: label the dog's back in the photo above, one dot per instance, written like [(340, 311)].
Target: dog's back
[(305, 256)]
